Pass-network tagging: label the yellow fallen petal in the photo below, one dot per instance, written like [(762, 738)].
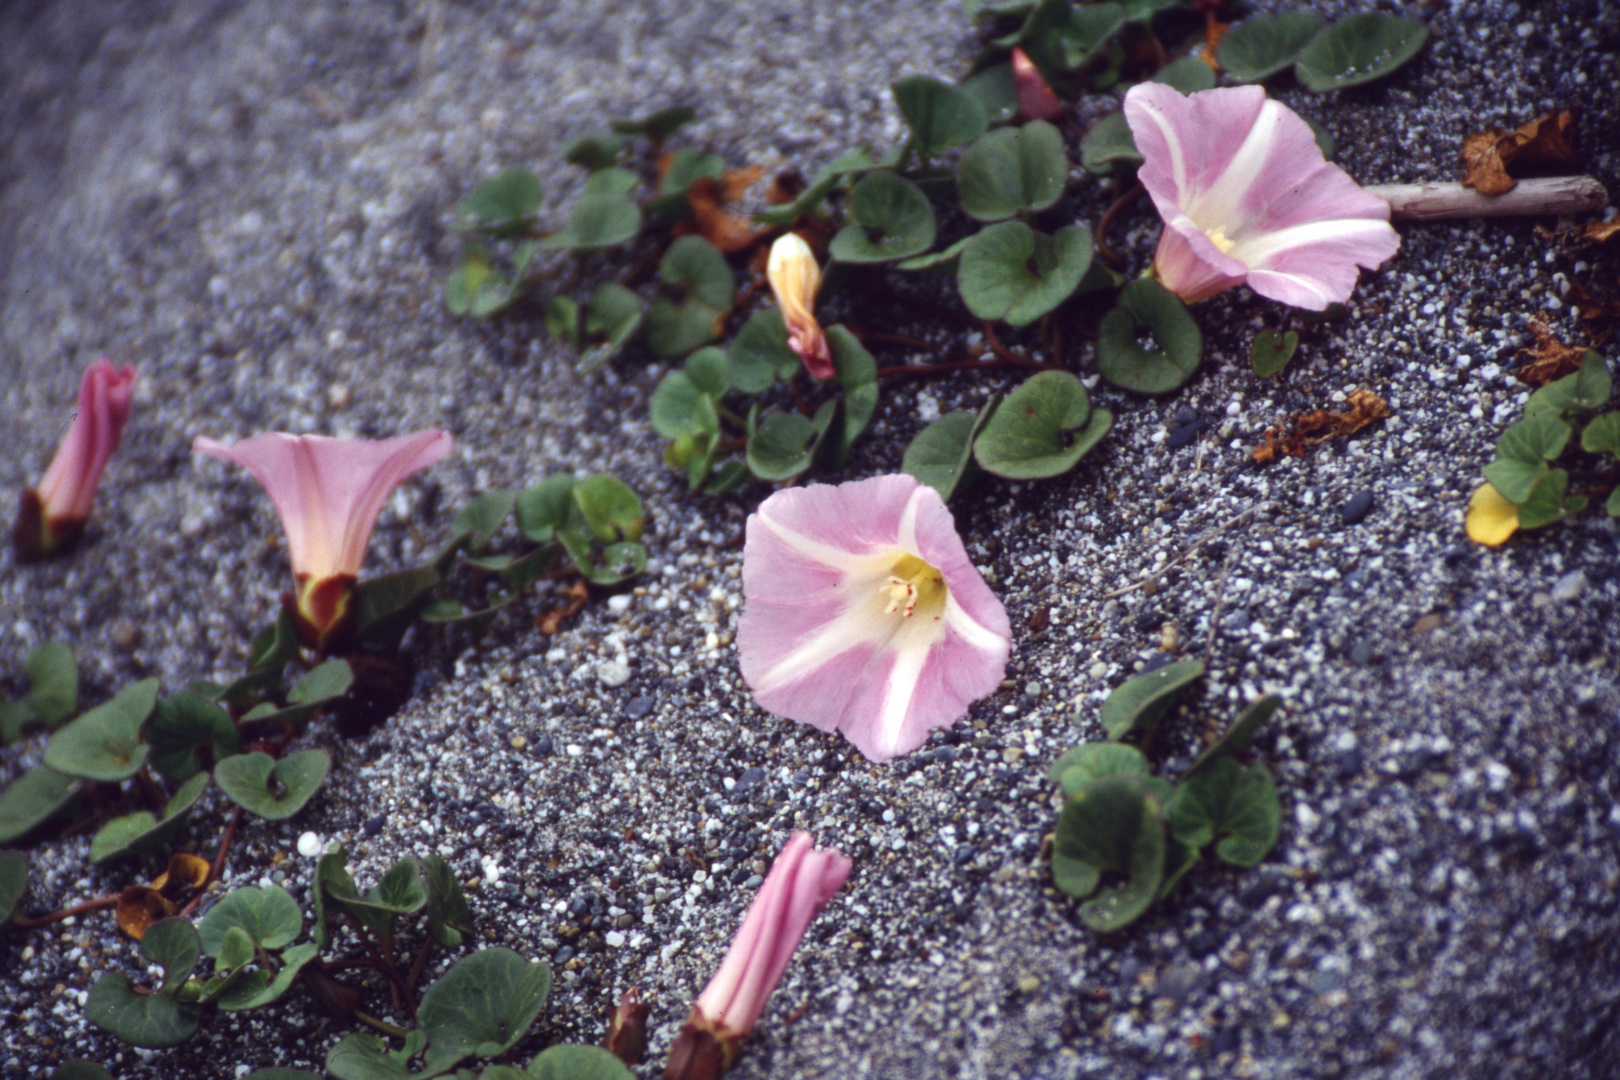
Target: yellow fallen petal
[(1491, 518)]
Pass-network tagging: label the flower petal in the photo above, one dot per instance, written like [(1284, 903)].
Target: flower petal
[(1491, 518)]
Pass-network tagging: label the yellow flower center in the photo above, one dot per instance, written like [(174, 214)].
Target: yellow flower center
[(1219, 238), (914, 587)]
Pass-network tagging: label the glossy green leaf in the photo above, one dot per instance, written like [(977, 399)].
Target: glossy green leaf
[(940, 115), (708, 371), (760, 355), (659, 125), (327, 681), (563, 320), (386, 605), (1093, 761), (1109, 144), (1602, 434), (153, 1021), (543, 509), (449, 917), (1584, 391), (1027, 436), (1263, 45), (362, 1055), (1189, 75), (575, 1063), (503, 206), (1272, 351), (611, 510), (941, 455), (1549, 501), (1059, 37), (1112, 824), (182, 725), (53, 682), (1013, 273), (696, 267), (857, 375), (1139, 704), (13, 883), (599, 220), (1358, 49), (785, 444), (1238, 804), (598, 150), (274, 790), (611, 320), (1145, 306), (1238, 738), (841, 169), (1533, 441), (482, 518), (33, 799), (1011, 170), (269, 916), (889, 219), (484, 1004), (679, 408), (613, 564), (76, 1069), (142, 834), (105, 742), (995, 91)]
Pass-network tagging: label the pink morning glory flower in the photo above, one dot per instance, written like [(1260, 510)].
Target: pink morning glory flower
[(328, 493), (864, 614), (799, 885), (53, 514), (795, 276), (1247, 198), (1036, 99)]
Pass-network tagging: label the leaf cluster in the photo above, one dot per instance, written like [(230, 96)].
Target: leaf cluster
[(1126, 837)]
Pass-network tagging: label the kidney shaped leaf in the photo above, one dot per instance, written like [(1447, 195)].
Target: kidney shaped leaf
[(1011, 272), (1113, 823), (1142, 702), (1272, 351), (152, 1020), (575, 1063), (504, 205), (1359, 49), (140, 833), (105, 743), (274, 790), (697, 267), (1013, 169), (785, 444), (938, 113), (269, 916), (890, 218), (1107, 144), (53, 682), (941, 455), (1260, 47), (1235, 803), (1147, 306), (760, 355), (1587, 389), (183, 725), (484, 1004), (1025, 438), (1093, 761), (33, 799)]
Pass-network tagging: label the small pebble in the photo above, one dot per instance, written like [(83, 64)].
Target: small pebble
[(619, 604), (1356, 507), (639, 707), (1570, 586), (309, 845), (374, 825), (613, 673)]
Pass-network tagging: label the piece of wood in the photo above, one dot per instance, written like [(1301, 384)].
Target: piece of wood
[(1550, 196)]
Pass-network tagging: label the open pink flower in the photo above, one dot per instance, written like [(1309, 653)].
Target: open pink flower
[(328, 493), (52, 515), (799, 885), (1247, 197), (795, 276), (1035, 97), (864, 614)]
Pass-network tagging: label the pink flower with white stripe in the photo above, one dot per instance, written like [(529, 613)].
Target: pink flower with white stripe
[(328, 493), (864, 614), (52, 515), (801, 882), (1247, 198)]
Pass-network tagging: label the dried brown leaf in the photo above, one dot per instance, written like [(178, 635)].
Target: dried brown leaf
[(1483, 167), (712, 208), (1599, 313), (1212, 41), (139, 907), (1549, 357), (1599, 232), (1294, 434), (1547, 142), (551, 622)]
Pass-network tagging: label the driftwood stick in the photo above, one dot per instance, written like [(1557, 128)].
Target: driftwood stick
[(1552, 196)]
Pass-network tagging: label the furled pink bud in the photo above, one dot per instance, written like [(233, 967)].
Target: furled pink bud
[(795, 276), (1035, 97), (328, 493), (52, 515), (627, 1031), (799, 885)]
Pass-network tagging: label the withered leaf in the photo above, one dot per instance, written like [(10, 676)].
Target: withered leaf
[(551, 622), (1213, 33), (139, 907), (1483, 168), (1296, 433), (1545, 142), (1599, 232), (712, 201), (1549, 357), (1599, 314), (786, 186)]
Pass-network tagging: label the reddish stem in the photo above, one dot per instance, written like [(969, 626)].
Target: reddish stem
[(66, 913), (1113, 211), (218, 865)]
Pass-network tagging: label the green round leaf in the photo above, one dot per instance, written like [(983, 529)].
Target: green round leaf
[(449, 917), (1025, 438), (1188, 75), (600, 220), (890, 219), (13, 883), (760, 354), (475, 289), (328, 680), (1548, 501), (1142, 702), (1145, 305), (785, 444), (269, 916), (75, 1069), (543, 509), (1013, 273), (577, 1063), (995, 91), (1113, 823), (612, 318), (274, 790), (1272, 351), (1240, 735), (479, 521), (1587, 389), (941, 455), (33, 799), (140, 833), (857, 375), (939, 114), (1093, 761), (1011, 170), (1602, 435), (1358, 49), (685, 166), (1235, 803), (659, 126), (1108, 144), (362, 1055), (182, 725), (707, 370), (53, 682), (679, 408), (1259, 47), (504, 206), (611, 182), (484, 1004), (105, 742), (259, 988), (697, 267), (153, 1020), (598, 150), (611, 510)]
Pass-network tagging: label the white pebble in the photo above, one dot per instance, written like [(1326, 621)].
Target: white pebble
[(309, 845), (613, 938), (619, 604), (613, 673)]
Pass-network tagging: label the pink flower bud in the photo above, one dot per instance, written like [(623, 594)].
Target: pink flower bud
[(801, 882), (328, 493), (52, 514), (795, 276), (1035, 97)]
